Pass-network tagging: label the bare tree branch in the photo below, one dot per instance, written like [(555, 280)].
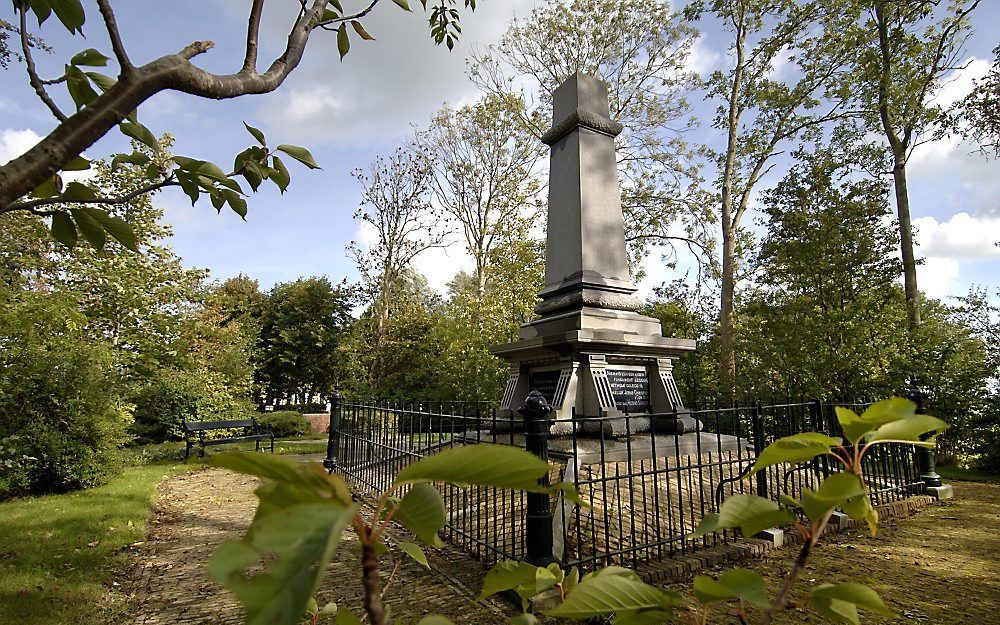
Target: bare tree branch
[(32, 205), (253, 31), (29, 63), (116, 39)]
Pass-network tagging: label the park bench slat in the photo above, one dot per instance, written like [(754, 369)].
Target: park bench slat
[(194, 431)]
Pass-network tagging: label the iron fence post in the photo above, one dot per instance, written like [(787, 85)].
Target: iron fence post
[(333, 434), (925, 455), (757, 422), (538, 520)]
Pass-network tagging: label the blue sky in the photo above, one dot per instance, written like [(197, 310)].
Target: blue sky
[(347, 113)]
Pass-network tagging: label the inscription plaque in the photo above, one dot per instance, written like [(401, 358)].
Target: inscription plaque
[(630, 389), (545, 383)]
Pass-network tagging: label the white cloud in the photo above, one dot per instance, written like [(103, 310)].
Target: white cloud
[(440, 265), (702, 58), (382, 86), (961, 236), (14, 143), (938, 277)]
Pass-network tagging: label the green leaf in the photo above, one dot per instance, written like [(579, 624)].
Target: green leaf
[(507, 575), (415, 552), (280, 177), (116, 227), (70, 13), (601, 595), (90, 228), (299, 521), (103, 82), (422, 512), (748, 512), (236, 202), (343, 41), (654, 616), (525, 618), (141, 134), (258, 135), (78, 191), (300, 154), (840, 602), (135, 158), (734, 584), (501, 466), (795, 448), (188, 184), (833, 492), (860, 507), (79, 87), (909, 430), (404, 4), (77, 163), (90, 57), (346, 617), (364, 34), (855, 426), (287, 471), (63, 229), (49, 188)]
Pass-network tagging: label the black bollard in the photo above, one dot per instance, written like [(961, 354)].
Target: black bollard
[(538, 521), (333, 435)]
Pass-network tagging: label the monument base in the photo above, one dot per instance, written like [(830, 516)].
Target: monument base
[(597, 375)]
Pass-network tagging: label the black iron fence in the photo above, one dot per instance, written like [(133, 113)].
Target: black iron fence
[(648, 485)]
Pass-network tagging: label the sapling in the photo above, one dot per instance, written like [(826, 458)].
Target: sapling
[(303, 512)]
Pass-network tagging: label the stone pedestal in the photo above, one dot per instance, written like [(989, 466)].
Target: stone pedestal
[(590, 352)]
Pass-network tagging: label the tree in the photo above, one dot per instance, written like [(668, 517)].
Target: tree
[(37, 171), (139, 303), (977, 116), (484, 164), (396, 203), (901, 51), (302, 327), (640, 49), (827, 317), (758, 112), (471, 322)]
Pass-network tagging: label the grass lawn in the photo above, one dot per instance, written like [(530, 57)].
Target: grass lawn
[(967, 475), (940, 566), (174, 450), (59, 553)]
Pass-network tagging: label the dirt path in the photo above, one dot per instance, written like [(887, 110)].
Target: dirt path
[(197, 511), (940, 566)]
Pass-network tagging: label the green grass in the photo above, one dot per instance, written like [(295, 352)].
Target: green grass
[(967, 475), (59, 553), (174, 451)]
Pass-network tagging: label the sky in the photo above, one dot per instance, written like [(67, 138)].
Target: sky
[(348, 112)]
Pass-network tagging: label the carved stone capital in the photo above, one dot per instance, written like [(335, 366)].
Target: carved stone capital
[(582, 118)]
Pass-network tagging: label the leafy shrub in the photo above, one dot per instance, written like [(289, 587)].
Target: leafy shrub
[(62, 416), (173, 395), (284, 423)]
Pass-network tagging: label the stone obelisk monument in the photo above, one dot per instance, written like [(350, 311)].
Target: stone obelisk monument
[(589, 350)]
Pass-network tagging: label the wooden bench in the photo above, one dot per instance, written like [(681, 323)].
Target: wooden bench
[(252, 432)]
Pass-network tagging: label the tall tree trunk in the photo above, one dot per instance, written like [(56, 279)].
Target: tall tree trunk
[(906, 240), (730, 225)]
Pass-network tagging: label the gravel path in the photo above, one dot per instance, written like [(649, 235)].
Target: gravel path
[(196, 511)]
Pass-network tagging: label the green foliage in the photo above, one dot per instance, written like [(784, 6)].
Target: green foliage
[(301, 328), (733, 584), (284, 423), (59, 395)]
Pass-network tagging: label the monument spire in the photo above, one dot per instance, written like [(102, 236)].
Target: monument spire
[(589, 352), (585, 260)]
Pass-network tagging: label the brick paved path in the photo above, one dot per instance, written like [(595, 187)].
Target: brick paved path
[(197, 511)]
